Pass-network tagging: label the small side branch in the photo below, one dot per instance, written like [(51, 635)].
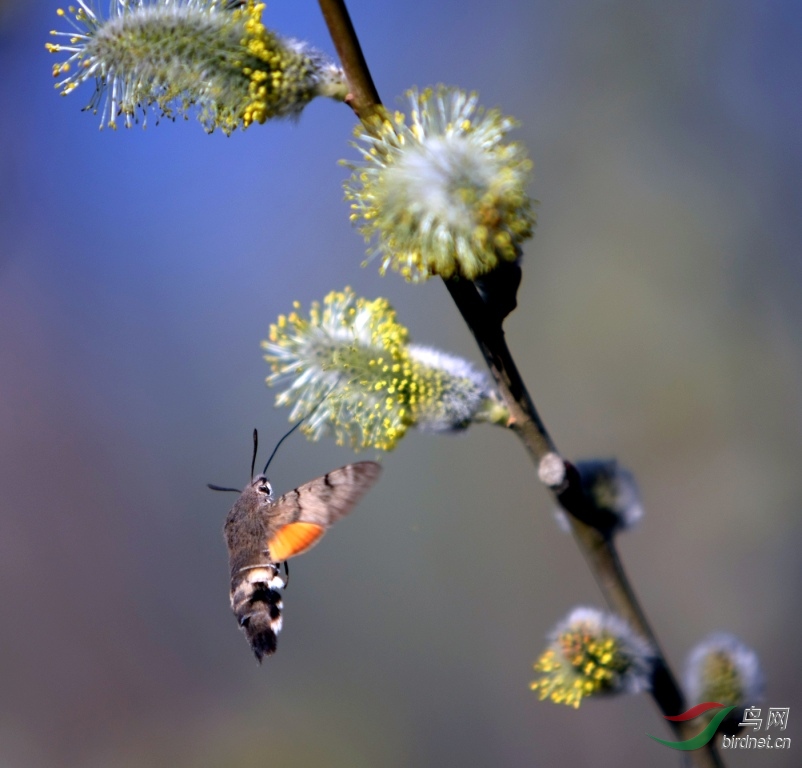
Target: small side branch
[(364, 97)]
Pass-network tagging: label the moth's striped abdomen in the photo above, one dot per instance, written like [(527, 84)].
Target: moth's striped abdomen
[(256, 602)]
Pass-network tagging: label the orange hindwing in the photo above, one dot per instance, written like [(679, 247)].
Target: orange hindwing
[(294, 539)]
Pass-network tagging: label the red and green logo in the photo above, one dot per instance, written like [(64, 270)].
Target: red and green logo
[(701, 738)]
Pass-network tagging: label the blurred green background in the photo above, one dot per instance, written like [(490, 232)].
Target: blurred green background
[(659, 322)]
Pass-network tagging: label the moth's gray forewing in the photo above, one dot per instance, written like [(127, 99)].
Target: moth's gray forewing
[(325, 499)]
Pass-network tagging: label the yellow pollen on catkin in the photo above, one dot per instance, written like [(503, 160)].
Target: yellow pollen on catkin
[(177, 55), (441, 194), (358, 377), (579, 665)]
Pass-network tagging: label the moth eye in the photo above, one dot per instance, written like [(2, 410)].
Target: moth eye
[(265, 488)]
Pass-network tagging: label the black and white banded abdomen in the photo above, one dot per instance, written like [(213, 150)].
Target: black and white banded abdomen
[(256, 602)]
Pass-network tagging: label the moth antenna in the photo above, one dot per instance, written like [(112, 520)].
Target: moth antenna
[(220, 488), (255, 449), (291, 430)]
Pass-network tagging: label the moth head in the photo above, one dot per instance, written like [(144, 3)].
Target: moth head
[(262, 486)]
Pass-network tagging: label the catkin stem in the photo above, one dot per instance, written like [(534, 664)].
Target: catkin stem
[(364, 97), (597, 548)]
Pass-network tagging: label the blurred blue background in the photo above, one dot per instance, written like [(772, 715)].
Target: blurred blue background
[(659, 322)]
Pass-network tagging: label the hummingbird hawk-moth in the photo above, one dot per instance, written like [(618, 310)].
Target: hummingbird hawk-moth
[(263, 532)]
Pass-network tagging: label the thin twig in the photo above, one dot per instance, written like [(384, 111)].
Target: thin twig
[(364, 97), (597, 547)]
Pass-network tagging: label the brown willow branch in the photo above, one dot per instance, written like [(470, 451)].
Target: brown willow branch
[(597, 547), (364, 97), (587, 526), (587, 522)]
